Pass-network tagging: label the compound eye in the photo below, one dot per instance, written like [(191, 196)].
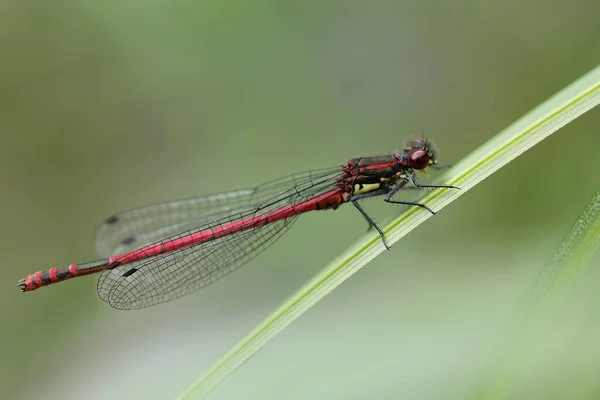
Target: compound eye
[(419, 159)]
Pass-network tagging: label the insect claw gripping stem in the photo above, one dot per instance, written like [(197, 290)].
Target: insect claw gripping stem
[(372, 223)]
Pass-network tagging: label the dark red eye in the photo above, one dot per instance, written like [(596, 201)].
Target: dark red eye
[(419, 159)]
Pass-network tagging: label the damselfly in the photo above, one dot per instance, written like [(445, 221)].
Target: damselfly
[(163, 251)]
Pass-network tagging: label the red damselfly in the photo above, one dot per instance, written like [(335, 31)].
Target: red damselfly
[(160, 252)]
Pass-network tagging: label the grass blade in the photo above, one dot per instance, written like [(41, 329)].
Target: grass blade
[(546, 119), (553, 283)]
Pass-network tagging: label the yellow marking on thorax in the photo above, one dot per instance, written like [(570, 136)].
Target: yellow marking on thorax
[(358, 189)]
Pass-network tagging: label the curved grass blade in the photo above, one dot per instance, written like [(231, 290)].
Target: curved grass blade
[(538, 307), (559, 110)]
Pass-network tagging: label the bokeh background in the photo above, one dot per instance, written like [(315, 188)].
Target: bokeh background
[(109, 105)]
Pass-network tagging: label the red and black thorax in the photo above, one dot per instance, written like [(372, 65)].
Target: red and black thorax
[(369, 174)]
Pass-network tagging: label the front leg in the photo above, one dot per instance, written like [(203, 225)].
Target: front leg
[(396, 188), (415, 181)]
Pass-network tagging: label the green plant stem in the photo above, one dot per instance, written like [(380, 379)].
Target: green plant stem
[(553, 114)]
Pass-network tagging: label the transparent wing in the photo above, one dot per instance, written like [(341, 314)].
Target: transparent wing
[(170, 275), (136, 228), (186, 270)]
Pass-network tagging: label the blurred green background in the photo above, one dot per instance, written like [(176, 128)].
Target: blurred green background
[(110, 105)]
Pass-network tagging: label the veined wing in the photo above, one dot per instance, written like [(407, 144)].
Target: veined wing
[(166, 276), (136, 228)]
